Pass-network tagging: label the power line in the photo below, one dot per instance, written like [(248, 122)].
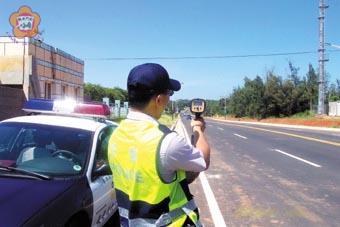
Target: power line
[(205, 57)]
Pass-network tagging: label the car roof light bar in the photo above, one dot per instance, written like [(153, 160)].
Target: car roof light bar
[(67, 107)]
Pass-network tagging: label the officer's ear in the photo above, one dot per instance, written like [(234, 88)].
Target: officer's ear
[(158, 99), (161, 99), (154, 101)]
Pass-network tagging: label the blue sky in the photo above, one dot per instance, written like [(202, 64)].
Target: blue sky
[(178, 28)]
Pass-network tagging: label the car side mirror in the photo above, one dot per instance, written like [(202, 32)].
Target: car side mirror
[(102, 170)]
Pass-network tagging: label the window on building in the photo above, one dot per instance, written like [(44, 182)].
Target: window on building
[(76, 93), (64, 90), (47, 90)]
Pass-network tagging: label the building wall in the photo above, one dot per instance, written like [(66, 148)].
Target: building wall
[(62, 72), (48, 67), (9, 48), (11, 62), (11, 102), (334, 108), (11, 70)]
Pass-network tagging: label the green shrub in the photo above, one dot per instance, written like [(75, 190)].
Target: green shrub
[(305, 114)]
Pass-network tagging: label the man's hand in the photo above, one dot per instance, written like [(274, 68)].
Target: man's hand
[(191, 176), (198, 124)]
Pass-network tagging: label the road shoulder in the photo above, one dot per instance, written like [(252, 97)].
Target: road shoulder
[(279, 125)]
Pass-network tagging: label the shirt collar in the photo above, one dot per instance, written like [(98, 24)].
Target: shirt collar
[(135, 115)]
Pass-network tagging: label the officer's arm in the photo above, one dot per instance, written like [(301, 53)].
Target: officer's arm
[(199, 139), (200, 142)]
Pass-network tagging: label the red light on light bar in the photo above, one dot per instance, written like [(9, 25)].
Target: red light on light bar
[(92, 109)]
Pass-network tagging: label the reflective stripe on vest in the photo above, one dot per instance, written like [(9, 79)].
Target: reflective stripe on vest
[(133, 156), (164, 219)]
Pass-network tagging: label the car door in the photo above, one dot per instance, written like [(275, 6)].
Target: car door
[(104, 196)]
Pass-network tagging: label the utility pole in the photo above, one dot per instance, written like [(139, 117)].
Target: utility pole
[(322, 60)]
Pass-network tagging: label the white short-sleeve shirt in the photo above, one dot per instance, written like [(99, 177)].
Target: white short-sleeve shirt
[(175, 152)]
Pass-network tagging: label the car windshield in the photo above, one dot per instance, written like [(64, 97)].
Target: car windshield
[(46, 149)]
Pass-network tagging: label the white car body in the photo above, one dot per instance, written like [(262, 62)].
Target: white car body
[(104, 198)]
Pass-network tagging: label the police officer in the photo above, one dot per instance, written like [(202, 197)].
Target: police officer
[(150, 163)]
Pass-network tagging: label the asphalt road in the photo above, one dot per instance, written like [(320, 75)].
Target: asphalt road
[(265, 176)]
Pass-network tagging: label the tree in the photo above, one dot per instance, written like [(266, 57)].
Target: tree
[(273, 95), (212, 107), (223, 106), (311, 86), (96, 92), (288, 103), (254, 94), (276, 96), (334, 91), (293, 76)]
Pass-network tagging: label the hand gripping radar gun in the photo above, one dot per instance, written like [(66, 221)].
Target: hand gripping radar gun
[(197, 107)]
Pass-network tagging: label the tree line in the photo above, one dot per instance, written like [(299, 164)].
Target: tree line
[(276, 96), (95, 92), (261, 97)]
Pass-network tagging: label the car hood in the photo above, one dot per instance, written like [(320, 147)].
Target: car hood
[(21, 199)]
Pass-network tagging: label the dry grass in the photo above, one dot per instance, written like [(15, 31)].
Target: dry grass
[(167, 119)]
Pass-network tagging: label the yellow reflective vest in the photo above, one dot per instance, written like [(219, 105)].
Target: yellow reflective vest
[(143, 197)]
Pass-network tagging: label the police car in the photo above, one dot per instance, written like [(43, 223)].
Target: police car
[(53, 168)]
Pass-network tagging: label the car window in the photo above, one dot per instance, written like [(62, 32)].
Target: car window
[(7, 137), (102, 145), (52, 150)]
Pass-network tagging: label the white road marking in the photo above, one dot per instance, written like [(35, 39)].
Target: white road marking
[(212, 203), (298, 158), (209, 195), (214, 176), (237, 124), (243, 137), (220, 128)]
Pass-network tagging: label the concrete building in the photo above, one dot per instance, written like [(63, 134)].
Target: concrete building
[(334, 109), (40, 70)]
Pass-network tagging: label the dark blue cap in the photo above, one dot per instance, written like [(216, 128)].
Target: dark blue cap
[(153, 77)]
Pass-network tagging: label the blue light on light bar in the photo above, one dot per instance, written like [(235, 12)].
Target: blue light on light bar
[(39, 104)]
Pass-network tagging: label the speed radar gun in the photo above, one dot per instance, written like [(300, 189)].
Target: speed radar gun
[(197, 107)]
